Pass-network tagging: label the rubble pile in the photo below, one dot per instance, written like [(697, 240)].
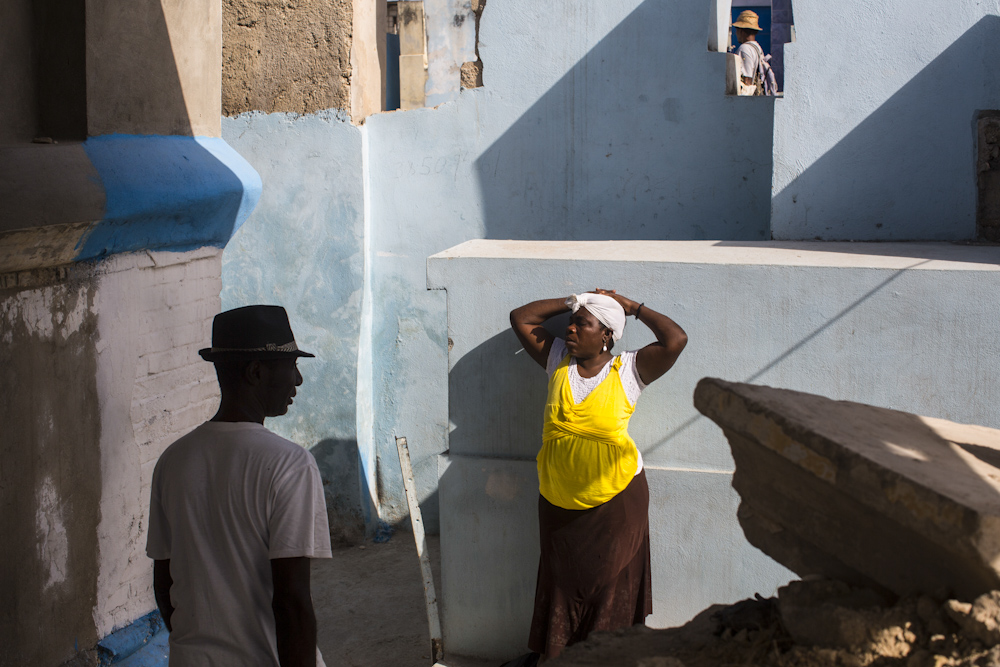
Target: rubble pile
[(817, 623)]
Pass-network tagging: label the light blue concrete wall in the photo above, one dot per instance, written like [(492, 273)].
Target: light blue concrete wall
[(597, 120), (303, 248), (875, 137), (895, 325)]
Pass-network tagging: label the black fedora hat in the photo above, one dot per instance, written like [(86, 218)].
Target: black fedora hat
[(261, 332)]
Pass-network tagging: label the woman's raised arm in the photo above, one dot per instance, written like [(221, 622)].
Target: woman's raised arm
[(656, 358), (526, 322)]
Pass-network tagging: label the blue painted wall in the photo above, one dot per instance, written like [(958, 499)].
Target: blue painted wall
[(597, 120), (875, 137), (303, 249)]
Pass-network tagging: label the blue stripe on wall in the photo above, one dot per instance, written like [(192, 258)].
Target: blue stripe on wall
[(168, 193)]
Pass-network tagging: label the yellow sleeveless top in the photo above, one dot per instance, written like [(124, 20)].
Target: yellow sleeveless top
[(587, 455)]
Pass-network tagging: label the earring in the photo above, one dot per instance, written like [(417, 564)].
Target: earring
[(605, 348)]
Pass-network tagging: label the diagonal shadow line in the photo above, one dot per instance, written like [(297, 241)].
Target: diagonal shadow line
[(793, 349)]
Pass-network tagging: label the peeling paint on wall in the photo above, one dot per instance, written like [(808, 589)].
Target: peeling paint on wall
[(53, 545)]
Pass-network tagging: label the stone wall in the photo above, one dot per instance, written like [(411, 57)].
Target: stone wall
[(286, 56), (102, 374)]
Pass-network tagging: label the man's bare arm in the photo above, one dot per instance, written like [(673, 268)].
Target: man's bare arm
[(294, 618), (162, 582)]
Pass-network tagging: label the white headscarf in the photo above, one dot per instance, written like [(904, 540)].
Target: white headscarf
[(607, 311)]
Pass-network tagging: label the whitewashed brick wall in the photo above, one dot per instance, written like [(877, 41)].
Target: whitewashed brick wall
[(101, 373), (169, 301)]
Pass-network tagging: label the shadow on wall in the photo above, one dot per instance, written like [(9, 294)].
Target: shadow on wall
[(509, 391), (795, 349), (348, 499), (136, 55), (894, 172), (50, 488), (351, 512), (637, 141)]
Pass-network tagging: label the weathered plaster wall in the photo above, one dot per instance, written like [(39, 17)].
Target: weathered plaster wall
[(883, 105), (303, 249), (51, 454), (286, 56), (897, 325), (102, 369), (451, 41)]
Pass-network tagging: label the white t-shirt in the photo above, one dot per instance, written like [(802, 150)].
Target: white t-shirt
[(225, 499), (581, 387)]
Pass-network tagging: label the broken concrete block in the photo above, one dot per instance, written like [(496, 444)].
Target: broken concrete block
[(873, 497), (831, 614), (980, 619)]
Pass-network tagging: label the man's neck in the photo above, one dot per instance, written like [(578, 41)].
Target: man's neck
[(231, 411)]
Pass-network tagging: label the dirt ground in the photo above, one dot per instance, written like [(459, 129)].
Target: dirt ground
[(370, 609)]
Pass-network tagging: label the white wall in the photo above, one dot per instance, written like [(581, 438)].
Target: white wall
[(896, 325)]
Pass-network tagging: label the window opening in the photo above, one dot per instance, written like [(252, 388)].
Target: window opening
[(392, 57), (774, 17), (61, 81)]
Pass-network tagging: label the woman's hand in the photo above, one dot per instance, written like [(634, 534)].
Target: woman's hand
[(656, 358), (628, 305)]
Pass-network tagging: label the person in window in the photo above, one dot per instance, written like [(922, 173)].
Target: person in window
[(756, 77), (593, 507)]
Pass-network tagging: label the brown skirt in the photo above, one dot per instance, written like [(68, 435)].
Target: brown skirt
[(593, 573)]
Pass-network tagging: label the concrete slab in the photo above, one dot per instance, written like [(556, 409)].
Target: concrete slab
[(867, 495)]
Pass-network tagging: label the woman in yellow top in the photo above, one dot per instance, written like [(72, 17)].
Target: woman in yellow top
[(593, 573)]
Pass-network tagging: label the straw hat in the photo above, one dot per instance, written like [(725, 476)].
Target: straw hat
[(747, 20)]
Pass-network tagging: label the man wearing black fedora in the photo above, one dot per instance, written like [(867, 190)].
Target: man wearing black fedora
[(236, 511)]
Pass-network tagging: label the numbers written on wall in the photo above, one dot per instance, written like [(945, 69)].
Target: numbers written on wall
[(430, 165)]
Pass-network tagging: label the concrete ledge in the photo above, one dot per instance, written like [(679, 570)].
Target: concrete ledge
[(120, 193), (912, 256)]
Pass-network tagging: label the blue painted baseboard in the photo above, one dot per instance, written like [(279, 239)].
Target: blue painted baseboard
[(142, 643)]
